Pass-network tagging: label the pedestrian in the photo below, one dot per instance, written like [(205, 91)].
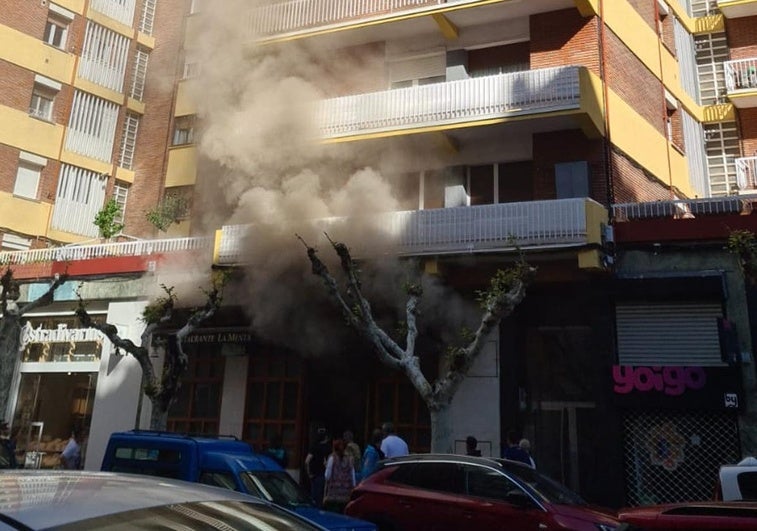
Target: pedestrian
[(471, 444), (70, 457), (353, 450), (315, 464), (526, 447), (513, 451), (373, 453), (392, 445), (340, 478), (277, 451)]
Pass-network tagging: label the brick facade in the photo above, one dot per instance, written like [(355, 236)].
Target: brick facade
[(742, 37), (748, 131), (632, 184), (564, 38)]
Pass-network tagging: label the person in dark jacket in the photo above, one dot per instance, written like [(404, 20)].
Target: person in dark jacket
[(513, 451)]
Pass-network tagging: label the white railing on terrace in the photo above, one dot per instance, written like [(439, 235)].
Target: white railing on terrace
[(292, 15), (120, 10), (741, 74), (746, 173), (471, 229), (497, 96), (680, 208), (101, 250)]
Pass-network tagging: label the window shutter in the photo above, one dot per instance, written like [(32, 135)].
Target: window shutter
[(572, 179), (27, 181)]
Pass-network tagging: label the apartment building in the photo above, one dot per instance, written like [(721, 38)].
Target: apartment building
[(497, 126)]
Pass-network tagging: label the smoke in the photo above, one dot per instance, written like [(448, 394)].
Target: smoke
[(261, 163)]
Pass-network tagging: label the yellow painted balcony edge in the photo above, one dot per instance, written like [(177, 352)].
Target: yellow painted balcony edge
[(217, 246), (596, 216), (77, 6), (32, 54), (109, 23), (722, 112), (80, 161), (182, 166), (127, 176), (375, 20), (67, 237), (148, 41), (592, 104), (135, 106), (99, 91), (32, 222), (30, 134), (184, 104)]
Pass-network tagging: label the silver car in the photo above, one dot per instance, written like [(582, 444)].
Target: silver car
[(76, 500)]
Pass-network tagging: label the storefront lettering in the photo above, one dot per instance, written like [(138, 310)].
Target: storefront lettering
[(60, 335), (221, 337), (673, 381)]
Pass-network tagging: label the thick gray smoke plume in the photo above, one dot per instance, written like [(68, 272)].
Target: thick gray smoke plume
[(261, 163)]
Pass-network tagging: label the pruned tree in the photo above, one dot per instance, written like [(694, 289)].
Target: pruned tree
[(161, 388), (10, 327), (506, 290)]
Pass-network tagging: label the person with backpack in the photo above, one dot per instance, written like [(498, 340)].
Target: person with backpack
[(372, 454), (340, 478)]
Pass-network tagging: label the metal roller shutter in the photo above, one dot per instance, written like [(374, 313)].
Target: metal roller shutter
[(668, 334), (412, 68)]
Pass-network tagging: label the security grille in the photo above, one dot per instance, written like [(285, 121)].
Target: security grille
[(675, 456)]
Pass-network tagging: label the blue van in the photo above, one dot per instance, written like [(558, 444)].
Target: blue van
[(224, 462)]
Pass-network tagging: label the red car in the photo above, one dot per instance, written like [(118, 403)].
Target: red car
[(700, 516), (427, 492)]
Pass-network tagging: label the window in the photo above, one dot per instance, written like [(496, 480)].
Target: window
[(43, 97), (56, 29), (80, 196), (198, 407), (139, 74), (488, 483), (218, 479), (183, 132), (147, 19), (28, 175), (444, 477), (191, 68), (120, 194), (572, 179)]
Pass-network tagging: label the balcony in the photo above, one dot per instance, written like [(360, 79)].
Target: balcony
[(101, 258), (741, 82), (300, 18), (746, 175), (452, 104), (561, 223), (738, 8)]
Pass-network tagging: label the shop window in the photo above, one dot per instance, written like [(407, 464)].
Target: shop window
[(198, 407), (274, 402), (401, 404), (48, 408)]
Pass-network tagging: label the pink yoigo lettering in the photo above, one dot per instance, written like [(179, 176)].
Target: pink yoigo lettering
[(673, 381)]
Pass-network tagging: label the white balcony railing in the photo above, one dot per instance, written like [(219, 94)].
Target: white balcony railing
[(681, 208), (741, 75), (120, 10), (101, 250), (555, 223), (497, 96), (746, 173), (293, 15)]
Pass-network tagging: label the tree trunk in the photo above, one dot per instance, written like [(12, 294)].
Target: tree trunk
[(10, 343), (158, 416), (441, 429)]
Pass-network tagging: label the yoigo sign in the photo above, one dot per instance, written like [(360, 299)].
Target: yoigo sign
[(677, 386)]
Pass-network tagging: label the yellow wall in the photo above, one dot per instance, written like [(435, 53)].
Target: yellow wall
[(74, 159), (122, 174), (34, 55), (21, 131), (109, 23), (98, 90), (184, 104), (182, 166), (77, 6), (592, 103), (34, 219)]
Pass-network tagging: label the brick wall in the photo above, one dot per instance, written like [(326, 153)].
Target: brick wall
[(632, 184), (567, 146), (748, 131), (646, 8), (742, 37), (632, 81), (564, 38), (155, 126)]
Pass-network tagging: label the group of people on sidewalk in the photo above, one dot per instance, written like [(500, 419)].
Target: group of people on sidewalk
[(336, 466)]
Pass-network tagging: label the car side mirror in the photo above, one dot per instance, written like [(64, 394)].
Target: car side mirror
[(519, 499)]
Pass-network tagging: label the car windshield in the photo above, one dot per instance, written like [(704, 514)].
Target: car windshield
[(198, 516), (277, 487), (548, 489)]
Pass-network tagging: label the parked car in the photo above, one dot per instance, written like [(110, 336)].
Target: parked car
[(453, 492), (222, 462), (737, 482), (700, 516), (74, 500)]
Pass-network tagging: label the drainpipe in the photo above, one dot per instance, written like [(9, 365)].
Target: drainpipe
[(668, 141), (607, 151)]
